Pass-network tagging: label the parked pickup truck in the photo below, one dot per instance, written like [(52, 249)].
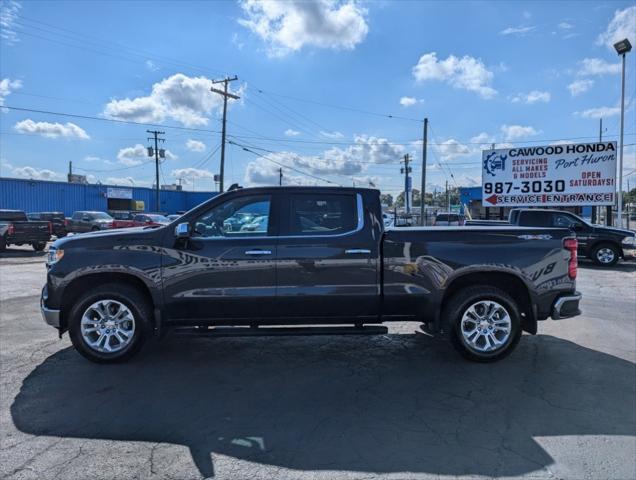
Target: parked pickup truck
[(17, 229), (603, 245), (83, 221), (57, 219), (322, 258)]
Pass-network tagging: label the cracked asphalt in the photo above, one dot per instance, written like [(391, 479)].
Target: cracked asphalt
[(397, 406)]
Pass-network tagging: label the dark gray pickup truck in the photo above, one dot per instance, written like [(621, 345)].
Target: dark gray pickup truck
[(17, 229), (311, 256), (603, 245)]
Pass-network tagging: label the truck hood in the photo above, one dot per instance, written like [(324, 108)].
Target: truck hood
[(111, 236), (619, 232)]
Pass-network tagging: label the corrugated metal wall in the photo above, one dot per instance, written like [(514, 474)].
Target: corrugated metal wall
[(43, 196)]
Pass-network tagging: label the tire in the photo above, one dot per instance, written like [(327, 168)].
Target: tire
[(105, 302), (95, 229), (605, 255), (38, 246), (503, 325), (3, 244)]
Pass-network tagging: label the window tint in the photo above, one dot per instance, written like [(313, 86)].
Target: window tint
[(77, 215), (317, 214), (564, 220), (245, 216), (535, 219)]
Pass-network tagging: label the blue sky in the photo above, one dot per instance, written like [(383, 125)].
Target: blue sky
[(317, 80)]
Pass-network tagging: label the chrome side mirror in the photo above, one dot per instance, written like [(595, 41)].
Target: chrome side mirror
[(182, 230)]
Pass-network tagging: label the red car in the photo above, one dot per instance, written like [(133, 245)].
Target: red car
[(148, 219), (122, 219)]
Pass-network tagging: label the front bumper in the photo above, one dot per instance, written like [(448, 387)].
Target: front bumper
[(566, 306), (50, 316), (629, 250)]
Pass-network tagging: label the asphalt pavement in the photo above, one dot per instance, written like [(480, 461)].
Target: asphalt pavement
[(397, 406)]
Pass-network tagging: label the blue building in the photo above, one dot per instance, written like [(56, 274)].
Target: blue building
[(45, 196)]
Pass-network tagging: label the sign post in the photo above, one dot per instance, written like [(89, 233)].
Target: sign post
[(554, 175)]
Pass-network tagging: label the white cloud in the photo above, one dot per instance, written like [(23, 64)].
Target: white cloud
[(187, 100), (483, 138), (136, 155), (188, 173), (128, 181), (332, 135), (515, 132), (466, 73), (580, 86), (532, 97), (600, 112), (292, 133), (195, 145), (51, 130), (92, 158), (565, 26), (408, 101), (9, 10), (526, 14), (451, 148), (519, 31), (35, 173), (152, 66), (6, 87), (287, 26), (596, 66), (623, 25)]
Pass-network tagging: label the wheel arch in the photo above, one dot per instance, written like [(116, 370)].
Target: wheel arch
[(605, 241)]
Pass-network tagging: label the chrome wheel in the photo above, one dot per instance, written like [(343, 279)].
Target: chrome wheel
[(605, 255), (485, 326), (107, 326)]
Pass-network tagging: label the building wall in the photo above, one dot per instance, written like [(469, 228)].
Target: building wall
[(44, 196)]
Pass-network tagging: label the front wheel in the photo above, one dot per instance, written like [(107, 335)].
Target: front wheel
[(483, 323), (605, 255), (107, 326), (38, 246)]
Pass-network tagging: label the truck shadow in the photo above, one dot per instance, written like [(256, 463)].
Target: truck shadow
[(621, 266), (394, 403)]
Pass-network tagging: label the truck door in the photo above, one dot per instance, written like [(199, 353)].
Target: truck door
[(226, 269), (328, 259)]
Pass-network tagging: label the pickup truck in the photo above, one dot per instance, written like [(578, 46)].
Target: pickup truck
[(323, 259), (84, 221), (603, 245), (17, 229), (57, 219)]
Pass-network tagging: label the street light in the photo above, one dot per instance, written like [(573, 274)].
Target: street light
[(622, 48)]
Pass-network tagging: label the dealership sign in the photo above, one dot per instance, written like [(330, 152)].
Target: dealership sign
[(124, 193), (576, 174)]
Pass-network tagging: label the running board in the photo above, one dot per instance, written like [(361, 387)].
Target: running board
[(279, 331)]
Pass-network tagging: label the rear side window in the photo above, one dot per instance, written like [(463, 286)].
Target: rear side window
[(442, 217), (13, 216), (322, 214), (535, 219)]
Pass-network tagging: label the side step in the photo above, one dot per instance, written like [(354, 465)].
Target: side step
[(279, 331)]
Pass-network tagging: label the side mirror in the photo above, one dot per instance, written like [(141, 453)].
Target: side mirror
[(182, 230)]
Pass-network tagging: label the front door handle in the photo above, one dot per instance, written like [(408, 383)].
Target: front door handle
[(358, 251), (258, 252)]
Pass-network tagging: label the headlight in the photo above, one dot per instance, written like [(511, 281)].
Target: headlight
[(629, 241), (55, 255)]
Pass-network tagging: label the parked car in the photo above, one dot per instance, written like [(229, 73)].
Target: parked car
[(603, 245), (174, 216), (149, 219), (448, 220), (325, 258), (85, 221), (122, 218), (57, 219), (17, 229)]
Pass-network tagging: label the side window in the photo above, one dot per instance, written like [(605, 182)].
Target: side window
[(245, 216), (77, 216), (322, 214), (534, 219), (563, 220)]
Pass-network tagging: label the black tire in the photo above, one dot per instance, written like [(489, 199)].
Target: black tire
[(38, 246), (95, 229), (3, 244), (129, 296), (605, 255), (458, 305)]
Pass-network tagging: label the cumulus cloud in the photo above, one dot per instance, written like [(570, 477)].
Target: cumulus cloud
[(138, 154), (451, 149), (289, 26), (622, 25), (600, 112), (408, 101), (534, 96), (483, 138), (152, 66), (195, 145), (189, 173), (333, 135), (51, 130), (6, 87), (596, 66), (35, 173), (128, 181), (580, 86), (187, 100), (466, 73), (565, 26), (9, 11), (519, 31), (515, 132), (292, 133)]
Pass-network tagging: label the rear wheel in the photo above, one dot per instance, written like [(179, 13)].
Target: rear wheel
[(38, 246), (3, 244), (483, 323), (605, 255), (108, 326)]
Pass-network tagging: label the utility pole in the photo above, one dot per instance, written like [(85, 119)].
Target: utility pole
[(423, 189), (155, 137), (280, 176), (447, 198), (407, 183), (225, 95)]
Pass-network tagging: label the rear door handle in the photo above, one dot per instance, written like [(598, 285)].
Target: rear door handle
[(258, 252), (358, 251)]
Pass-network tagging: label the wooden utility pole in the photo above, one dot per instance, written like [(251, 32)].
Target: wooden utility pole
[(423, 189), (155, 137), (280, 176), (225, 95)]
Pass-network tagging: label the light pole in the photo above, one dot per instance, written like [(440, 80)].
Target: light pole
[(622, 48)]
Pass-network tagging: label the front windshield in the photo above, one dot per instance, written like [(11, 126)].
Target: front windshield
[(158, 218), (101, 216)]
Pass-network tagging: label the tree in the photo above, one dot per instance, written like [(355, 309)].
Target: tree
[(386, 199)]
